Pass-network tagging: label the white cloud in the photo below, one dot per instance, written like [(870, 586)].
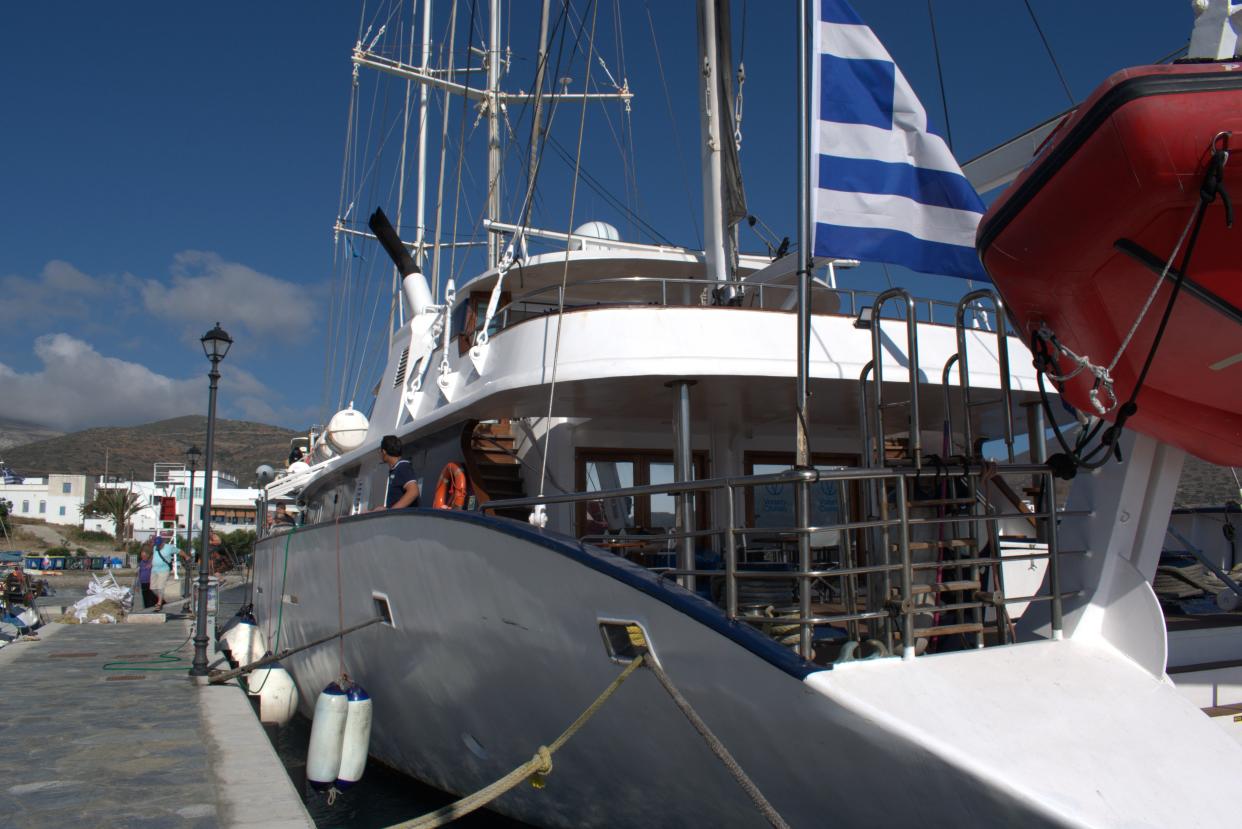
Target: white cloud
[(60, 290), (78, 388), (206, 289)]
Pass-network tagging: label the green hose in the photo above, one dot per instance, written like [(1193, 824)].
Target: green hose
[(280, 614)]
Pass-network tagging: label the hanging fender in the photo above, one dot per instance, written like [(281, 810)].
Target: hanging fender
[(451, 488)]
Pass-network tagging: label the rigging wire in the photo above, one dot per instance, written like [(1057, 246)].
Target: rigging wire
[(668, 101), (461, 143), (560, 319), (944, 99), (1048, 48)]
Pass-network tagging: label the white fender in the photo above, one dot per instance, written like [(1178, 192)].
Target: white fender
[(323, 758), (357, 738), (278, 695), (243, 642)]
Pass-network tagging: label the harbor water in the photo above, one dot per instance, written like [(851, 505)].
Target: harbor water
[(382, 798)]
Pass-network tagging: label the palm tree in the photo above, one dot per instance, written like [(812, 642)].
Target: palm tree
[(118, 504)]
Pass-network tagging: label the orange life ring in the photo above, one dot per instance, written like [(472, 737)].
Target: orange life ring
[(451, 488)]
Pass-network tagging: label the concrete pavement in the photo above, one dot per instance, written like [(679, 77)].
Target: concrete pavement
[(130, 746)]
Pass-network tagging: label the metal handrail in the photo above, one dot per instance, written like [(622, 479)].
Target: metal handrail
[(851, 300), (904, 568)]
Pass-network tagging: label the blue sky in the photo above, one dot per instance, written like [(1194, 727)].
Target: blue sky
[(166, 166)]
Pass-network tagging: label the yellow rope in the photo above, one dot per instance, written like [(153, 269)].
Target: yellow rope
[(537, 766)]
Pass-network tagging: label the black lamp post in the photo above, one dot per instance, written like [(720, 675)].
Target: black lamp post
[(192, 454), (216, 344)]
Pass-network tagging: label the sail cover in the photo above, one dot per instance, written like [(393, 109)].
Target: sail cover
[(885, 188)]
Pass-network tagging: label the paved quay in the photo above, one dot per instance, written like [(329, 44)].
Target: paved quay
[(128, 746)]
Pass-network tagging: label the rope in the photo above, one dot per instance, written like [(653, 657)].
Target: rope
[(1051, 56), (340, 600), (280, 600), (225, 676), (944, 99), (1065, 465), (537, 766), (718, 748), (540, 765)]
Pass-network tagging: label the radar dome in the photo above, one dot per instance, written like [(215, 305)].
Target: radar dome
[(594, 236), (347, 430), (265, 475)]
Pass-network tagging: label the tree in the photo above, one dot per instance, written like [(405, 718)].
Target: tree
[(118, 504), (6, 527)]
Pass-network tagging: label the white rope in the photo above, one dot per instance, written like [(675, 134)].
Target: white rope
[(1103, 374)]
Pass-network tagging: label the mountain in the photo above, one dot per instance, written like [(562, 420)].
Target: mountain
[(18, 432), (134, 450)]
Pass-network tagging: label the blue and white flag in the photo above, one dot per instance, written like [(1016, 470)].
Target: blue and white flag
[(886, 189)]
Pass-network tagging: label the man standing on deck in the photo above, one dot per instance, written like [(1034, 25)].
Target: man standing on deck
[(402, 486)]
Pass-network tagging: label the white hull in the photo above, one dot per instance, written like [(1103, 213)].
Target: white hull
[(495, 648)]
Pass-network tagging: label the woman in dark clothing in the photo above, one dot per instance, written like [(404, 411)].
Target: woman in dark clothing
[(144, 577)]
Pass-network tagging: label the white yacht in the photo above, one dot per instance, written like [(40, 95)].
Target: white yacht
[(769, 486)]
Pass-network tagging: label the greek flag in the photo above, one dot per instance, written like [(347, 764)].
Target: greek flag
[(887, 189)]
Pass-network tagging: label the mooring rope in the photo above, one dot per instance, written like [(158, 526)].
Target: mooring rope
[(540, 765), (225, 676)]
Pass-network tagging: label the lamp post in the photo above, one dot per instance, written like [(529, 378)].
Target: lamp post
[(192, 454), (216, 344)]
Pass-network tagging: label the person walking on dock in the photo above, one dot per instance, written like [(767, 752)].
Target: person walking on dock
[(144, 576), (162, 557)]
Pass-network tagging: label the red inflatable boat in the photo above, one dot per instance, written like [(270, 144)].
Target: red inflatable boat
[(1078, 243)]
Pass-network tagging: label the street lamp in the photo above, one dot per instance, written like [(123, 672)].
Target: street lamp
[(216, 344), (192, 454)]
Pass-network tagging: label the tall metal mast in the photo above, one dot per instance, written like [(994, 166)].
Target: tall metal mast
[(715, 258), (420, 251), (805, 259), (493, 130), (536, 129)]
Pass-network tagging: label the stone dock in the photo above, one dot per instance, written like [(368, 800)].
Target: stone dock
[(98, 730)]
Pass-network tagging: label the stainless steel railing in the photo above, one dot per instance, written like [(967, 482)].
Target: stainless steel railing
[(675, 292), (888, 615)]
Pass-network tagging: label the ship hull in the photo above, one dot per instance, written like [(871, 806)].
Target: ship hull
[(495, 647)]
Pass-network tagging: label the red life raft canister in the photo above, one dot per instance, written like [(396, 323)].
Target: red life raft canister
[(1078, 243)]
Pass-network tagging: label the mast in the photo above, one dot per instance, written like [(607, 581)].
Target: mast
[(423, 92), (716, 261), (805, 259), (541, 66), (493, 130), (802, 499)]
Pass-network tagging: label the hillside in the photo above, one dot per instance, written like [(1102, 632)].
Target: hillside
[(134, 450), (18, 432)]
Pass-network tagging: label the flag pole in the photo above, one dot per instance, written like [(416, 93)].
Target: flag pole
[(805, 263)]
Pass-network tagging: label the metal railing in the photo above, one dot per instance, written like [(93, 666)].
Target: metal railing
[(682, 292), (886, 611)]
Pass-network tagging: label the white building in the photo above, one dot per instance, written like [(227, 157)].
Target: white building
[(56, 499)]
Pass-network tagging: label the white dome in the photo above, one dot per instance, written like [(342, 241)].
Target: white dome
[(347, 430), (298, 467), (594, 236)]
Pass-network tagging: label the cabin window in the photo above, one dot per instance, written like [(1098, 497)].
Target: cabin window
[(604, 469), (773, 505), (66, 488), (470, 314)]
